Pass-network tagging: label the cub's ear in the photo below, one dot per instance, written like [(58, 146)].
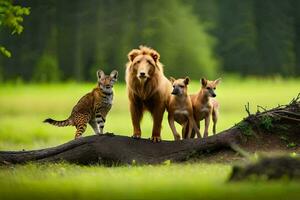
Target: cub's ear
[(216, 82), (203, 82), (172, 79), (100, 75), (114, 75), (186, 80), (155, 55), (132, 54)]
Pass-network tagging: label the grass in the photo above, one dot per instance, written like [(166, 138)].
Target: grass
[(175, 181), (24, 107)]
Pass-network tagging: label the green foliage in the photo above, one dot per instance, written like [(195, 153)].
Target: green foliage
[(11, 16), (194, 37), (1, 74), (169, 27), (5, 52), (182, 40), (277, 50), (46, 69), (245, 128), (291, 145), (259, 37), (289, 142), (236, 31), (266, 122)]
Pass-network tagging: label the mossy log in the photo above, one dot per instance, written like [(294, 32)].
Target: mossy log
[(268, 168), (277, 129)]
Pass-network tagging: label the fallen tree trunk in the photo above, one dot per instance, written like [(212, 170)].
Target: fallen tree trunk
[(275, 129), (268, 168)]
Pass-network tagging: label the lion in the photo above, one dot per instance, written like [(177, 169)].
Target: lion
[(147, 89)]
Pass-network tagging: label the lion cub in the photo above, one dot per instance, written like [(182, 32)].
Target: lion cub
[(205, 106), (180, 109), (93, 107)]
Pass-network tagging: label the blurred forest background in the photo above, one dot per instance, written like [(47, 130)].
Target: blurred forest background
[(70, 39)]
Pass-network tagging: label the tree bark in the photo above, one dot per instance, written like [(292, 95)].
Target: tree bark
[(275, 129)]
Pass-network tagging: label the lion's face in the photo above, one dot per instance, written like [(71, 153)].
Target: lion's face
[(143, 65)]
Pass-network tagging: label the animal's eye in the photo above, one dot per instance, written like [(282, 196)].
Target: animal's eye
[(208, 88), (214, 88), (181, 86)]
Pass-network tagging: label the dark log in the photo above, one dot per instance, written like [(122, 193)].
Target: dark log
[(111, 149), (270, 130), (268, 168)]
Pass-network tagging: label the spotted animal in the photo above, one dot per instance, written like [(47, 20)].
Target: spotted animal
[(92, 108)]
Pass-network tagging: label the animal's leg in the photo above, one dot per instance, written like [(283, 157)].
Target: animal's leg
[(190, 127), (136, 111), (173, 128), (100, 120), (196, 127), (157, 115), (207, 121), (215, 115), (184, 130), (95, 127), (80, 122), (80, 128)]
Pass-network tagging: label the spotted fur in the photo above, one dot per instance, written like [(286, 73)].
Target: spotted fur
[(93, 107)]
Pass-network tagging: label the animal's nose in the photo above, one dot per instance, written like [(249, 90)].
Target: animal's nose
[(214, 95), (107, 87), (142, 74), (175, 91)]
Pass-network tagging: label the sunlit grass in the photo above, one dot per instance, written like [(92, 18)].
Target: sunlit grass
[(174, 181)]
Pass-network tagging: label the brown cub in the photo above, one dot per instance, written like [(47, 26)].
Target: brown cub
[(180, 109), (93, 107), (205, 106)]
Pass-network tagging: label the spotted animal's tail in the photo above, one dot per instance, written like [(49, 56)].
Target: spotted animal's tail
[(66, 122)]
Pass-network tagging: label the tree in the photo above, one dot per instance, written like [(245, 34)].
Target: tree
[(296, 7), (182, 40), (11, 16), (237, 36), (276, 37)]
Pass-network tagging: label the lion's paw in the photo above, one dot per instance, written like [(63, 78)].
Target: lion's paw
[(155, 139), (136, 137)]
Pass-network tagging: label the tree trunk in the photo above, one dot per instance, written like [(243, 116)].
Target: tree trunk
[(275, 129)]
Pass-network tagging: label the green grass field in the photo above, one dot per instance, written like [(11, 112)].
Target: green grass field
[(24, 107)]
